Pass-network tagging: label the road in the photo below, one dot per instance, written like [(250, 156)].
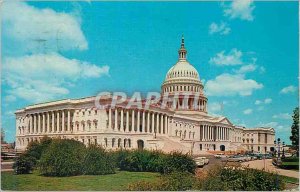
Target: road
[(267, 164)]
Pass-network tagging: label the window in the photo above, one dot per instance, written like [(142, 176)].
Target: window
[(113, 142), (95, 112), (96, 141)]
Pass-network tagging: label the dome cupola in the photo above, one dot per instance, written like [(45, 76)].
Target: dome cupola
[(183, 77)]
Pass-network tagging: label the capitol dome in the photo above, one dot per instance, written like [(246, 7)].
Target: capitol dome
[(183, 79)]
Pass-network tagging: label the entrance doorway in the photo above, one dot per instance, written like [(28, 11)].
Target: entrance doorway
[(140, 144), (222, 147)]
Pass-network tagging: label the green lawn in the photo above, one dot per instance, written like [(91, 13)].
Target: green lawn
[(35, 182), (290, 179)]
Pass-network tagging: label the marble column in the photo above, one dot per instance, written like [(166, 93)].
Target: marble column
[(69, 121), (57, 122), (116, 120), (165, 126), (52, 129), (48, 122), (132, 123), (44, 123), (109, 119), (122, 121), (152, 123), (157, 123), (39, 123), (161, 123), (127, 121), (63, 121), (148, 122), (143, 121), (138, 121)]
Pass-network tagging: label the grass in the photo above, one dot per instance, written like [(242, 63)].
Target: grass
[(287, 179), (290, 163), (36, 182)]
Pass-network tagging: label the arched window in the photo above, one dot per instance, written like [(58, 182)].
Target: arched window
[(105, 142), (119, 142), (113, 142), (129, 143)]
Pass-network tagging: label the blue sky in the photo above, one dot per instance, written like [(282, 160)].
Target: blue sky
[(245, 52)]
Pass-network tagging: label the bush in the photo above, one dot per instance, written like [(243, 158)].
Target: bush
[(154, 161), (290, 159), (242, 179), (36, 148), (98, 162), (177, 161), (24, 164), (63, 157), (176, 181)]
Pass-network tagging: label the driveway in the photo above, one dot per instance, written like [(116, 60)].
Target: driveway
[(268, 166)]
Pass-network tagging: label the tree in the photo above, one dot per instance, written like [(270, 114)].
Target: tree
[(295, 130)]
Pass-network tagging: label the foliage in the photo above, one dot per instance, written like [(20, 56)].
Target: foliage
[(24, 164), (98, 162), (177, 161), (36, 148), (154, 161), (175, 181), (63, 157), (295, 131), (290, 159), (243, 179), (217, 179), (289, 165)]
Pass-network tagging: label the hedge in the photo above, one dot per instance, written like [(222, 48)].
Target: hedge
[(154, 161), (62, 158), (97, 161), (218, 179)]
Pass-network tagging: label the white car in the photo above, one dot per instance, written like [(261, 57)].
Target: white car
[(206, 160), (200, 162), (220, 155)]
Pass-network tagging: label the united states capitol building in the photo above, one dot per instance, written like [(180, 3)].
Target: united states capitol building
[(177, 126)]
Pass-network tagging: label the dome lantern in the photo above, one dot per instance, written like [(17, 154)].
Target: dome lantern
[(182, 51)]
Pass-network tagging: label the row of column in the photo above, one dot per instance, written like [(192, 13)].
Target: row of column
[(50, 122), (141, 121), (214, 133)]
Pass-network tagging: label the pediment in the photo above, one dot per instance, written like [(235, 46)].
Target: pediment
[(225, 121)]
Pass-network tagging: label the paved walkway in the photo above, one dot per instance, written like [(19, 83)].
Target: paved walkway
[(267, 164)]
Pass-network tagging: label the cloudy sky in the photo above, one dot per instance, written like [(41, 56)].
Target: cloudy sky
[(245, 52)]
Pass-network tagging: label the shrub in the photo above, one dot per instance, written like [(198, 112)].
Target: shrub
[(98, 162), (175, 181), (154, 161), (241, 179), (36, 148), (177, 161), (24, 164), (63, 157)]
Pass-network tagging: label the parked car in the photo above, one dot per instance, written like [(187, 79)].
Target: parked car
[(200, 162), (220, 155), (267, 156), (236, 158), (206, 160)]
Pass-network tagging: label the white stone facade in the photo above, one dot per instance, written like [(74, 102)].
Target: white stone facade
[(181, 128)]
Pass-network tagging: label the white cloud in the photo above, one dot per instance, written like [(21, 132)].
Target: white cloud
[(43, 77), (9, 98), (258, 102), (275, 125), (215, 107), (241, 9), (230, 85), (246, 69), (268, 101), (260, 108), (247, 111), (282, 116), (265, 101), (232, 58), (42, 29), (288, 89), (221, 28)]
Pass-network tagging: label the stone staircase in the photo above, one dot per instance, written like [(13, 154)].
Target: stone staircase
[(170, 145)]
